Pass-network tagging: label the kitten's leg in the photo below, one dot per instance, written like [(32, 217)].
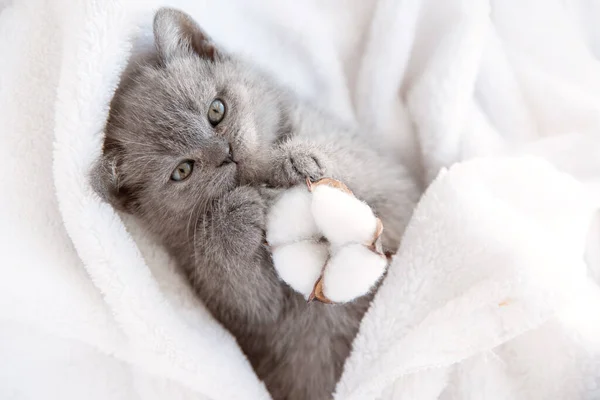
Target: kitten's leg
[(233, 271)]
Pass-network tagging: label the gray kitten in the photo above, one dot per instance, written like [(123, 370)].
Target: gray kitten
[(193, 137)]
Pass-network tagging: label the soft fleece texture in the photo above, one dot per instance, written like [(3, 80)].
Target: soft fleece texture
[(494, 293)]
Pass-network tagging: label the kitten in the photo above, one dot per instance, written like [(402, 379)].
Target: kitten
[(193, 136)]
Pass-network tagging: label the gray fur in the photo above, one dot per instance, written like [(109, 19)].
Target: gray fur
[(213, 222)]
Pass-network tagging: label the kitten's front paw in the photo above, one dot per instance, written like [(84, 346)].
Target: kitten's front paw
[(239, 222), (294, 162)]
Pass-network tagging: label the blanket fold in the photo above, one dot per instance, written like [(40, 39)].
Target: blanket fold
[(438, 307)]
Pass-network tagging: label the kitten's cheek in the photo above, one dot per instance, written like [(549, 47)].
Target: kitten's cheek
[(251, 139), (249, 145)]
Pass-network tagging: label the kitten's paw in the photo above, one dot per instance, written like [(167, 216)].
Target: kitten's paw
[(239, 222), (294, 162)]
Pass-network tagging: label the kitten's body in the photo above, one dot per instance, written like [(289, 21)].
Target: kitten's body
[(213, 222)]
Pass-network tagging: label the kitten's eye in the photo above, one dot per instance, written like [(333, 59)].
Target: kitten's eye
[(216, 112), (182, 171)]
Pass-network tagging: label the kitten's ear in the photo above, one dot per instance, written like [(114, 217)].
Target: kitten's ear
[(104, 179), (177, 34)]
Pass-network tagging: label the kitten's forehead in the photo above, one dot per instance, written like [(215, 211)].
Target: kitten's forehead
[(166, 107)]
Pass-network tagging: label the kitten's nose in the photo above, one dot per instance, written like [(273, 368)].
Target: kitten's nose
[(228, 153)]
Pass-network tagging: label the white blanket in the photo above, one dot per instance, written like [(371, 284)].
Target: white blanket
[(494, 293)]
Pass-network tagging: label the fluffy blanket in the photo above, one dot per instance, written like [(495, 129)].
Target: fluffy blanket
[(495, 290)]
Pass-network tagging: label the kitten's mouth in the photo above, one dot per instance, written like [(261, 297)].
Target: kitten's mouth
[(228, 164)]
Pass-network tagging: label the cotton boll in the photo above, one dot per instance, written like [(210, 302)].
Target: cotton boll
[(341, 217), (352, 272), (290, 218), (300, 264)]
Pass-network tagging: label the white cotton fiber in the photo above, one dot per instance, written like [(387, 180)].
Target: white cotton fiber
[(299, 218), (352, 272), (300, 264), (290, 218), (341, 217)]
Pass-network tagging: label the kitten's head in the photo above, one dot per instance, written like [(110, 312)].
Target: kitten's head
[(184, 127)]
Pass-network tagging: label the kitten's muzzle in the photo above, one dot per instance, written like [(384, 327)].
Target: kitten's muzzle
[(218, 151), (228, 159)]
